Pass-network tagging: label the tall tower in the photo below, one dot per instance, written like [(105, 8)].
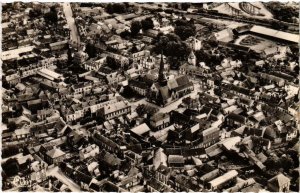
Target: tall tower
[(161, 77), (192, 59), (196, 44)]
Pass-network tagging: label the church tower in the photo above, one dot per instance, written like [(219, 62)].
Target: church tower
[(192, 59), (161, 77)]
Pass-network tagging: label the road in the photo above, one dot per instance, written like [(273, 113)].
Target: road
[(74, 35), (59, 175)]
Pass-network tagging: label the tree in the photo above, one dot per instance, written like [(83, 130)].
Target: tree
[(171, 45), (286, 162), (184, 29), (125, 34), (51, 16), (135, 27), (147, 24), (184, 32), (116, 8), (33, 13), (112, 63), (185, 6), (10, 151), (11, 167), (91, 50), (272, 163)]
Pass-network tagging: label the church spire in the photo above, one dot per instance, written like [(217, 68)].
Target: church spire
[(161, 78)]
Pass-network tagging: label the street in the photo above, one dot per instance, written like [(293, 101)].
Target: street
[(74, 36), (63, 178)]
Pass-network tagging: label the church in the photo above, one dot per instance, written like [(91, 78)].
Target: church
[(163, 92)]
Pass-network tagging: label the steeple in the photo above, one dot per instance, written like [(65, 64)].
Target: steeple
[(161, 78), (192, 58)]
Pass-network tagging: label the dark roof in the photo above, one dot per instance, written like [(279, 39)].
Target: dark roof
[(175, 159), (182, 81), (109, 187), (164, 170), (83, 177), (138, 84), (111, 159), (159, 116), (94, 186), (235, 117)]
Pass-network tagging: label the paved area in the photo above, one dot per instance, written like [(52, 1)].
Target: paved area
[(63, 178), (74, 35)]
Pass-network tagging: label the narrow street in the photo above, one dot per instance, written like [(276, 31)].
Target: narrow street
[(74, 35), (59, 175)]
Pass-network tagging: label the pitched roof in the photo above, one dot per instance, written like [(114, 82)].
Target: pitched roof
[(279, 180), (54, 153), (175, 159), (141, 129)]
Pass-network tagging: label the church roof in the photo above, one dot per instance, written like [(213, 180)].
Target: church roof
[(192, 55)]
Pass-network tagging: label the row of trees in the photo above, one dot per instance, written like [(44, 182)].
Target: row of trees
[(120, 8), (283, 12), (145, 24), (285, 162)]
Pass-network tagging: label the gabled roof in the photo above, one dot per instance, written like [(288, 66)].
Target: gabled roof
[(54, 153), (141, 129), (175, 159), (279, 180)]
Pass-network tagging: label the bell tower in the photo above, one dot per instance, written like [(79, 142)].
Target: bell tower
[(192, 59)]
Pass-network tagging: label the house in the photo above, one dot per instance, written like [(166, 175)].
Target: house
[(49, 74), (58, 45), (138, 57), (139, 87), (106, 143), (22, 134), (194, 43), (82, 88), (279, 183), (55, 156), (111, 161), (90, 151), (114, 110), (94, 64), (13, 79), (208, 137), (209, 176), (183, 183), (133, 157), (140, 130), (176, 161), (192, 70), (219, 182), (38, 169), (114, 78), (160, 121), (235, 119), (163, 174), (153, 185), (160, 158)]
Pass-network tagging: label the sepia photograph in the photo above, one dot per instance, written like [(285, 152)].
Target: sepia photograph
[(150, 96)]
